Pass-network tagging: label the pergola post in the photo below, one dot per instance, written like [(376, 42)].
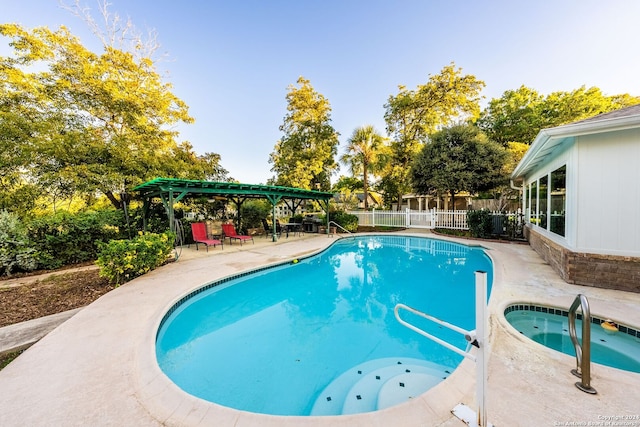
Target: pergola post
[(326, 209), (168, 206), (274, 201)]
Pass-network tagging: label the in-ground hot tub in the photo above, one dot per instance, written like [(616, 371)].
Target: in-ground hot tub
[(549, 326)]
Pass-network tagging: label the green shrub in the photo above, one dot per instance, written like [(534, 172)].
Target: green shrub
[(16, 251), (348, 221), (480, 223), (64, 238), (253, 212), (123, 260)]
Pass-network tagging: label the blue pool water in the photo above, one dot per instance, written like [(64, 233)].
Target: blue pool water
[(619, 349), (319, 337)]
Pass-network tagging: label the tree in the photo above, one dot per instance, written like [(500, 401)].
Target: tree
[(513, 117), (365, 155), (413, 115), (560, 108), (305, 155), (458, 158), (520, 114), (345, 188), (504, 194), (103, 122)]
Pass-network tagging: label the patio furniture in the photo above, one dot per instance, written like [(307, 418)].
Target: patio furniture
[(230, 231), (294, 227), (268, 229), (199, 232)]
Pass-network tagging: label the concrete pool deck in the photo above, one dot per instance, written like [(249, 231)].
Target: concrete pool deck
[(98, 367)]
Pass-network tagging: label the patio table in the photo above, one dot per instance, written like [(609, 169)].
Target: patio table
[(295, 227)]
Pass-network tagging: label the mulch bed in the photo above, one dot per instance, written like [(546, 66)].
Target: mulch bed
[(58, 293)]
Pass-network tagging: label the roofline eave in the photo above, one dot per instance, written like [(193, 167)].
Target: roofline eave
[(571, 130)]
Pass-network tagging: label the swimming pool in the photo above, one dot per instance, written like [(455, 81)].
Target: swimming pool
[(549, 326), (305, 338)]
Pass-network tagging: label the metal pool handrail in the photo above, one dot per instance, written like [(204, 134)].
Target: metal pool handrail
[(339, 226), (477, 338), (468, 335), (583, 352)]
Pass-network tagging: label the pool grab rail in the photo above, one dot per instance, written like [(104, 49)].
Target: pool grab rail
[(337, 225), (583, 352), (477, 338), (468, 335)]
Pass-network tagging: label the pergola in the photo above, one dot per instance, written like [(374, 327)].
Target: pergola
[(171, 190)]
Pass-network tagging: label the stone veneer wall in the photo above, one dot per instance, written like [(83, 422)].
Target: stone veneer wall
[(600, 271)]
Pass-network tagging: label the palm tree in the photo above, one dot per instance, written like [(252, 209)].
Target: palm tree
[(365, 154)]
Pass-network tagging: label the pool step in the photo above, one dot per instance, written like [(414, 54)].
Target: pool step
[(378, 384)]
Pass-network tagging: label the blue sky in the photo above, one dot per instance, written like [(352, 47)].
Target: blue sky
[(232, 61)]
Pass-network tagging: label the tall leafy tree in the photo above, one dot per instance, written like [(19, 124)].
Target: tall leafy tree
[(305, 155), (365, 154), (104, 122), (458, 158), (18, 122), (504, 194), (518, 115), (412, 115), (513, 117)]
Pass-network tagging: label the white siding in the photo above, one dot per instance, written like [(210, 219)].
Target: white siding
[(608, 193)]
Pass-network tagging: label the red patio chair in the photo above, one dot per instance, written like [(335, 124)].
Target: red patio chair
[(230, 231), (199, 232)]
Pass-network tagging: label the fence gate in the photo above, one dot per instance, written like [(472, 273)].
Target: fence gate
[(421, 219)]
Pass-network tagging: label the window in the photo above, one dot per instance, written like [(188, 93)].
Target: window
[(542, 202), (558, 200), (534, 203), (547, 201), (527, 202)]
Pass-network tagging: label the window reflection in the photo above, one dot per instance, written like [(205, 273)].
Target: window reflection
[(542, 202), (534, 202), (558, 200), (527, 202)]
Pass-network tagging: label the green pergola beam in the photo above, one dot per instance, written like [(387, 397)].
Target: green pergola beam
[(166, 190), (203, 188)]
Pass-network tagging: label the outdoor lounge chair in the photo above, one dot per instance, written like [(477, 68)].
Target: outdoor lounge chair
[(230, 231), (199, 232), (268, 229)]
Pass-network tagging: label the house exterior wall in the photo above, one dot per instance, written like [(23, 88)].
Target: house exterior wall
[(602, 193), (601, 246), (588, 269), (599, 242), (607, 217)]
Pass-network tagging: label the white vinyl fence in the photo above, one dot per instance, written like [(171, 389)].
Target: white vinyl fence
[(456, 220)]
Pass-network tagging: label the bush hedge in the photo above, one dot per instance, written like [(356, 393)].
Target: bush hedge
[(64, 238), (480, 223), (348, 221), (16, 251), (124, 260)]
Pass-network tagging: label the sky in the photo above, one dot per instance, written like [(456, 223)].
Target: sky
[(232, 61)]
